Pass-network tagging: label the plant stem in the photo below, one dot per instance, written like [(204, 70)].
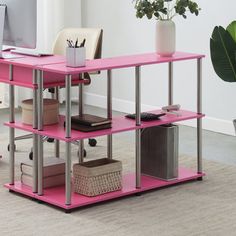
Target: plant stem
[(168, 10)]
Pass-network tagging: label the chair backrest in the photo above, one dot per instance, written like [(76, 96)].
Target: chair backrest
[(93, 42)]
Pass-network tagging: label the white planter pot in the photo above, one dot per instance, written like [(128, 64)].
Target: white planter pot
[(165, 38)]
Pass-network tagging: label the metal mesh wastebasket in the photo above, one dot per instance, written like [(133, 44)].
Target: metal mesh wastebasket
[(159, 152)]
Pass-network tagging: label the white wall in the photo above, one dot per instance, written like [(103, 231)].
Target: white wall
[(124, 34), (53, 16)]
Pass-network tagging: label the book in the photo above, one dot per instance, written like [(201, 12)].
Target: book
[(51, 166), (85, 128), (90, 120), (48, 182)]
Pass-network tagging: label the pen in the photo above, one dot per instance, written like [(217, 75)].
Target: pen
[(76, 43), (83, 43), (72, 44), (69, 43)]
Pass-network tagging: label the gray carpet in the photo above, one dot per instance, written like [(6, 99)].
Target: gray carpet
[(195, 208)]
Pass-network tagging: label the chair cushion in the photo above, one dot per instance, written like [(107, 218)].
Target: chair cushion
[(92, 36)]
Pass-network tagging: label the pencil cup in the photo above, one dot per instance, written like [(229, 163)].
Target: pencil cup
[(75, 57)]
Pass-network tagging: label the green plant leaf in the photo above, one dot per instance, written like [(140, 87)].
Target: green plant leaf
[(223, 51), (232, 30)]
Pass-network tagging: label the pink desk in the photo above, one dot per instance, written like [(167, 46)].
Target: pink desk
[(64, 197)]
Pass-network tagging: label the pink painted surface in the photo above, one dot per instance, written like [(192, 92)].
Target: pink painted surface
[(119, 124), (54, 67), (18, 83), (20, 188), (31, 62), (56, 196), (54, 82), (119, 62), (23, 72), (3, 69)]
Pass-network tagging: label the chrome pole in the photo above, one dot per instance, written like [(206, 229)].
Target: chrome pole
[(81, 111), (12, 130), (81, 97), (199, 110), (68, 173), (68, 144), (40, 137), (68, 106), (138, 123), (35, 136), (57, 142), (170, 94), (109, 111)]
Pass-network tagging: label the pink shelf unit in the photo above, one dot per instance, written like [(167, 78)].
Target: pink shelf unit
[(56, 196), (119, 62), (119, 124)]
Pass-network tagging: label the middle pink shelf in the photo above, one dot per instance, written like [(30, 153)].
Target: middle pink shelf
[(119, 124)]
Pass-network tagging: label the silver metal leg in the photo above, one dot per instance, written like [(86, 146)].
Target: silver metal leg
[(68, 173), (68, 144), (57, 148), (109, 111), (57, 142), (40, 165), (40, 138), (26, 136), (35, 163), (138, 123), (170, 94), (12, 130), (35, 136), (12, 155), (81, 111), (199, 110), (68, 106)]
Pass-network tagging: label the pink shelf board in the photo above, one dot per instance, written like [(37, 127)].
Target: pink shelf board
[(56, 196), (20, 188), (32, 61), (119, 62), (23, 76), (119, 124), (19, 83)]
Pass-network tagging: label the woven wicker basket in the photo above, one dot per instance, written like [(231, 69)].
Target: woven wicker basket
[(97, 177)]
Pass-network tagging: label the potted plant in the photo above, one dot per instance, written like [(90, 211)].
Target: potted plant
[(164, 11), (223, 53)]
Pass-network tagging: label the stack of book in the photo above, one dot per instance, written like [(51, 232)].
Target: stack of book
[(53, 172), (87, 123)]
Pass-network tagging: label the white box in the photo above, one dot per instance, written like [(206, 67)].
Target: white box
[(75, 57)]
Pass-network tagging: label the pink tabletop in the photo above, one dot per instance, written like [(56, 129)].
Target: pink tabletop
[(32, 61), (118, 62)]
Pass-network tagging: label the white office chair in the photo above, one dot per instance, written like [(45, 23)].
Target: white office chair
[(92, 36), (93, 44)]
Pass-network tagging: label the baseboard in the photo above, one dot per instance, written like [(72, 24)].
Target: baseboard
[(209, 123), (213, 124)]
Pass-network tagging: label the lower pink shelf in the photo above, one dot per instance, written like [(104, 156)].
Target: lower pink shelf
[(56, 196)]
